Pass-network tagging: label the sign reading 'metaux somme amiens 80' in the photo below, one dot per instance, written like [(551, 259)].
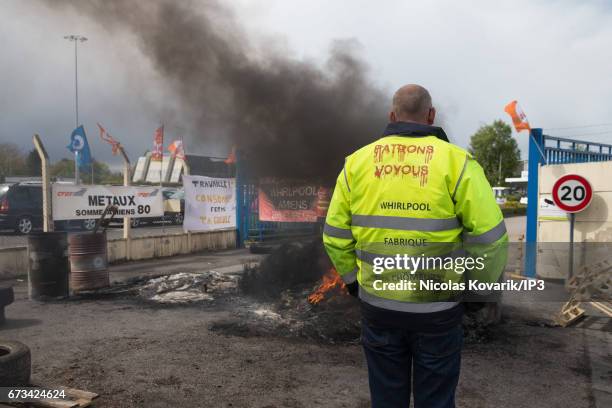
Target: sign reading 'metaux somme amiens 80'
[(72, 202)]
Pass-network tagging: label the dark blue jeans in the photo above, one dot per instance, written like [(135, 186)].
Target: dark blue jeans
[(400, 360)]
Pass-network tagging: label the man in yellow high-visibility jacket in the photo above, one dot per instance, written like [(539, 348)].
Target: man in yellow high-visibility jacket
[(412, 220)]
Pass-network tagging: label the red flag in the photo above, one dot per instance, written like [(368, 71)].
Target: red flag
[(177, 150), (158, 144), (232, 156), (519, 119), (104, 135)]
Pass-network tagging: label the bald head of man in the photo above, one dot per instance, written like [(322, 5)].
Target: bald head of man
[(412, 103)]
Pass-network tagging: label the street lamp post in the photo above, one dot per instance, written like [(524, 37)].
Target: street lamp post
[(76, 39)]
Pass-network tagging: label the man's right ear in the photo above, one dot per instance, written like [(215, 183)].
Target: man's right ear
[(431, 116)]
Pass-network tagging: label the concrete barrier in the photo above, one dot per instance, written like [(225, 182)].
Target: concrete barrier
[(14, 261), (169, 245)]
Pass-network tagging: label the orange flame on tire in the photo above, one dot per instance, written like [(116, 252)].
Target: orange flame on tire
[(331, 280)]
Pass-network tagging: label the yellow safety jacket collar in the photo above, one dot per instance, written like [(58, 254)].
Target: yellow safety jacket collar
[(414, 129)]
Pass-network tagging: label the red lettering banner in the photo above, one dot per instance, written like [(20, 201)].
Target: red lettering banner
[(287, 200)]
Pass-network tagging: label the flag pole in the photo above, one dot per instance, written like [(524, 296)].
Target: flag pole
[(539, 148), (161, 185), (127, 180), (76, 167)]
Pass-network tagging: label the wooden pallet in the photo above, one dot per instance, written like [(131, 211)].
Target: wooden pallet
[(74, 398), (591, 281), (604, 307), (591, 275), (571, 312)]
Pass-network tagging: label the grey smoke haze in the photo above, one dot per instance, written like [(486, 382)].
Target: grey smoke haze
[(290, 117), (551, 55)]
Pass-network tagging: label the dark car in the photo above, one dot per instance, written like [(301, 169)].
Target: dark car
[(21, 209)]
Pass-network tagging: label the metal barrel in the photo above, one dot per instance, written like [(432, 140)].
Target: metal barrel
[(48, 266), (88, 261)]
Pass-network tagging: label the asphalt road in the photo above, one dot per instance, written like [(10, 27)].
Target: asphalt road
[(516, 227), (8, 239), (142, 354)]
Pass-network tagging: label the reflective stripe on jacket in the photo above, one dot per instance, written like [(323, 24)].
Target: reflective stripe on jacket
[(412, 193)]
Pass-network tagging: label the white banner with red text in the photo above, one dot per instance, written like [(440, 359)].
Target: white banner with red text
[(210, 203), (79, 202)]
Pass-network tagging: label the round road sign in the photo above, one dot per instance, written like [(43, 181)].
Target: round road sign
[(572, 193)]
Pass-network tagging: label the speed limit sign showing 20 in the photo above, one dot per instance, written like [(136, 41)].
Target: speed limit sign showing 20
[(572, 193)]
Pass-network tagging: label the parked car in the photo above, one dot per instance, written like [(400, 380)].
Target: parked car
[(21, 209), (174, 206)]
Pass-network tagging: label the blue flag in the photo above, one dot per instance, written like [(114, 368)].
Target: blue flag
[(78, 143)]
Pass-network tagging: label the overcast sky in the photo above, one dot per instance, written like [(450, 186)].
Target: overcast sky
[(555, 57)]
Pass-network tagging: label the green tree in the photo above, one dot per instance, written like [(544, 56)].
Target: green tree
[(496, 150), (63, 168), (12, 160), (102, 174)]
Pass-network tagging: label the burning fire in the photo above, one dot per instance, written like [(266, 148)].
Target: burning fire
[(330, 281)]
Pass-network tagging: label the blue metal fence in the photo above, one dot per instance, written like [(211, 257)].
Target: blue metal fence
[(252, 229), (546, 150), (560, 150), (249, 227)]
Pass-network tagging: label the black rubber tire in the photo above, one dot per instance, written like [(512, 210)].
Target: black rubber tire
[(88, 225), (15, 364), (7, 296), (25, 220)]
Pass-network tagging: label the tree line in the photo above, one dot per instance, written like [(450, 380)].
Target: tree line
[(492, 146), (497, 152), (14, 162)]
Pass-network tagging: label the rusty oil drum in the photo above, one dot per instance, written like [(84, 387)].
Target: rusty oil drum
[(88, 261), (48, 266)]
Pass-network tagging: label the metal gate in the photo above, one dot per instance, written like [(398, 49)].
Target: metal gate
[(545, 150)]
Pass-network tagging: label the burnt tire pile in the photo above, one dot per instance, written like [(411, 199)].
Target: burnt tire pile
[(276, 302), (290, 265), (15, 364)]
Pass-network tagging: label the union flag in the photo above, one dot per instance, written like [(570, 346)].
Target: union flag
[(519, 119), (158, 144)]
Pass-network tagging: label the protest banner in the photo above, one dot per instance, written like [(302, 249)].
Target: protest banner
[(210, 203), (78, 202), (287, 200)]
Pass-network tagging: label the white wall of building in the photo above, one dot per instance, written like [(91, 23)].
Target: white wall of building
[(594, 224)]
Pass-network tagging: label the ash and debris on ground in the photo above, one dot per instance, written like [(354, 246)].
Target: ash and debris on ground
[(183, 288), (269, 299), (175, 289), (276, 299), (334, 320), (279, 306)]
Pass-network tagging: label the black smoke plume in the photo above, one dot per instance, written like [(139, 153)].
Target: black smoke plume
[(288, 117)]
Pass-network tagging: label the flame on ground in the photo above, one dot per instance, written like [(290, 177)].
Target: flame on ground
[(330, 281)]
